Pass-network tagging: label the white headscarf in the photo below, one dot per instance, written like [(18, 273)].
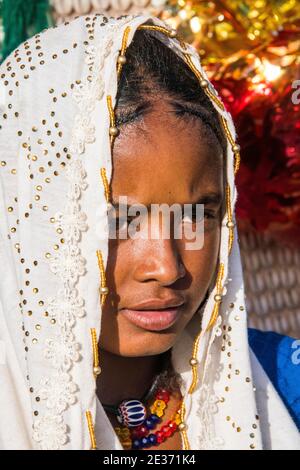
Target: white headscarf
[(55, 145)]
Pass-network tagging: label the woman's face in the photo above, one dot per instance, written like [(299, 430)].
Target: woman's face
[(157, 284)]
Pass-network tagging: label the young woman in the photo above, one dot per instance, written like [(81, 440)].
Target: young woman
[(115, 336)]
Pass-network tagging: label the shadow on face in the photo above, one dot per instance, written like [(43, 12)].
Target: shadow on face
[(156, 283)]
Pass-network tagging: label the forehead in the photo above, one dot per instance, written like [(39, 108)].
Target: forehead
[(162, 158)]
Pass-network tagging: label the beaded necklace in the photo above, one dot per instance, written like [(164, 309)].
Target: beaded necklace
[(137, 430), (139, 424)]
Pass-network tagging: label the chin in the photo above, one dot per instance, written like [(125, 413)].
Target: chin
[(149, 344)]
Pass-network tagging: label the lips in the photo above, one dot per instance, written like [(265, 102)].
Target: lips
[(154, 315)]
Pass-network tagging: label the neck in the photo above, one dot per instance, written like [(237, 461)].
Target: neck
[(125, 377)]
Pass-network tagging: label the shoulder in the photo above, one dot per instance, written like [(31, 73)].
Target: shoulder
[(279, 356)]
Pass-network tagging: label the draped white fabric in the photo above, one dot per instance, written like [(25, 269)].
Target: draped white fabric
[(53, 141)]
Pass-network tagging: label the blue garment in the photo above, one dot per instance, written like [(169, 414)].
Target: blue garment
[(280, 358)]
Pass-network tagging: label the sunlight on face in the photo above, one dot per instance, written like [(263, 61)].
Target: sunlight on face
[(157, 285)]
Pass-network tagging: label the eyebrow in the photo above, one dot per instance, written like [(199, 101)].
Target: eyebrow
[(198, 111), (127, 116), (212, 198), (134, 113)]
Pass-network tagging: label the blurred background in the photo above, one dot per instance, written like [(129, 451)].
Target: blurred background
[(250, 50)]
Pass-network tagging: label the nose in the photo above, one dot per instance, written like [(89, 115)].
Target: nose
[(159, 261)]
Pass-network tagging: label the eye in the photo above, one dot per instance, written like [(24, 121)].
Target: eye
[(197, 218), (209, 215), (121, 223)]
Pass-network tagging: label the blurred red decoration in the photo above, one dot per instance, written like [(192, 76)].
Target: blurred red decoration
[(250, 51)]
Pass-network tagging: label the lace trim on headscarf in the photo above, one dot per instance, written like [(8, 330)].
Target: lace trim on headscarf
[(59, 390)]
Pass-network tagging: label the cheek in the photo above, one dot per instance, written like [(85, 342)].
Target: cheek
[(119, 266), (201, 264)]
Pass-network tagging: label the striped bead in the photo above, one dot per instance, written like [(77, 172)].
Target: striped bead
[(131, 413)]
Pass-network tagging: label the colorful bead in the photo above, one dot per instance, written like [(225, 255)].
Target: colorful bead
[(149, 424), (163, 395), (160, 404), (158, 408), (167, 431), (173, 426), (154, 418), (152, 439), (127, 445), (152, 409), (160, 437), (137, 436), (136, 444), (160, 413), (145, 442), (122, 433), (139, 432), (131, 413)]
